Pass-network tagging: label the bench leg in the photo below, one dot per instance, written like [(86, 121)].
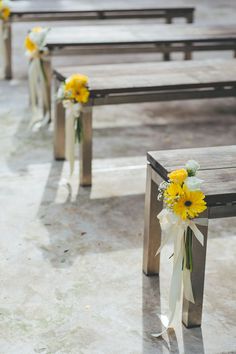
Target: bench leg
[(59, 124), (168, 20), (152, 230), (187, 53), (7, 52), (166, 56), (86, 147), (192, 313), (190, 17)]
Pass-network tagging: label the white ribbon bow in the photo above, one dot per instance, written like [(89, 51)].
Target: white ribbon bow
[(174, 228)]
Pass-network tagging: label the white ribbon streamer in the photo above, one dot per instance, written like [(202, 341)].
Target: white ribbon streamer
[(38, 92), (72, 113), (174, 228)]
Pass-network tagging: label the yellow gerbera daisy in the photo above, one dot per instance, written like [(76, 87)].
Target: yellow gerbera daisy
[(172, 192), (83, 95), (178, 176), (5, 13), (30, 45), (190, 204), (76, 88)]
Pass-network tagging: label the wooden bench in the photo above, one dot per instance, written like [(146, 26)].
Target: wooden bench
[(23, 11), (137, 83), (142, 38), (218, 170), (132, 37)]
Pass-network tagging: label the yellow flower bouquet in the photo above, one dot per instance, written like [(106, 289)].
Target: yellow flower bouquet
[(36, 51), (35, 42), (183, 201), (5, 9), (182, 193), (73, 93)]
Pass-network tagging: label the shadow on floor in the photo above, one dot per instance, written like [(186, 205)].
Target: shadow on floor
[(192, 340), (87, 225)]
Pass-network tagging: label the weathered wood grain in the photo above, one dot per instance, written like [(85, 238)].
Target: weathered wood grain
[(138, 77), (68, 6), (139, 34), (102, 9), (218, 169), (207, 157)]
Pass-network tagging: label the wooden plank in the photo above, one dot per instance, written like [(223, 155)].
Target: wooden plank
[(133, 77), (138, 34), (150, 68), (161, 96), (209, 158), (219, 185), (68, 6)]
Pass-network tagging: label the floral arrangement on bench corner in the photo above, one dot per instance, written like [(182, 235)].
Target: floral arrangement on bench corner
[(183, 201), (5, 10), (73, 93), (36, 51)]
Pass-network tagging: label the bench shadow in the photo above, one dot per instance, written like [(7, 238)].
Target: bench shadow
[(191, 340), (137, 140), (164, 132), (29, 147), (151, 321), (82, 225)]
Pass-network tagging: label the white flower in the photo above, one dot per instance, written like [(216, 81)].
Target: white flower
[(192, 166), (193, 183)]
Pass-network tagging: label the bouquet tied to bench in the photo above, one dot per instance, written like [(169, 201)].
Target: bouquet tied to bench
[(36, 51), (183, 202), (5, 9), (73, 93), (5, 12)]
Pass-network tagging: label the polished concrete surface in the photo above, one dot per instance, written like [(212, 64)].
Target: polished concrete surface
[(71, 258)]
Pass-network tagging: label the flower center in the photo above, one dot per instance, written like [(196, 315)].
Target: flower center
[(188, 203)]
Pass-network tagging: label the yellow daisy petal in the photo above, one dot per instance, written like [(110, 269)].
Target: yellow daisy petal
[(178, 176), (190, 204), (173, 191), (30, 45), (5, 13), (76, 88)]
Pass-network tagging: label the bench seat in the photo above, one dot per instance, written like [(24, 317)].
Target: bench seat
[(218, 170), (31, 10), (133, 34), (137, 83), (52, 10), (140, 77), (133, 37)]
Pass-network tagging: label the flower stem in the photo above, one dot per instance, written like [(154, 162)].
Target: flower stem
[(188, 249), (79, 130)]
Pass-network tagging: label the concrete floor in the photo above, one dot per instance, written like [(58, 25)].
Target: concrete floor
[(71, 261)]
